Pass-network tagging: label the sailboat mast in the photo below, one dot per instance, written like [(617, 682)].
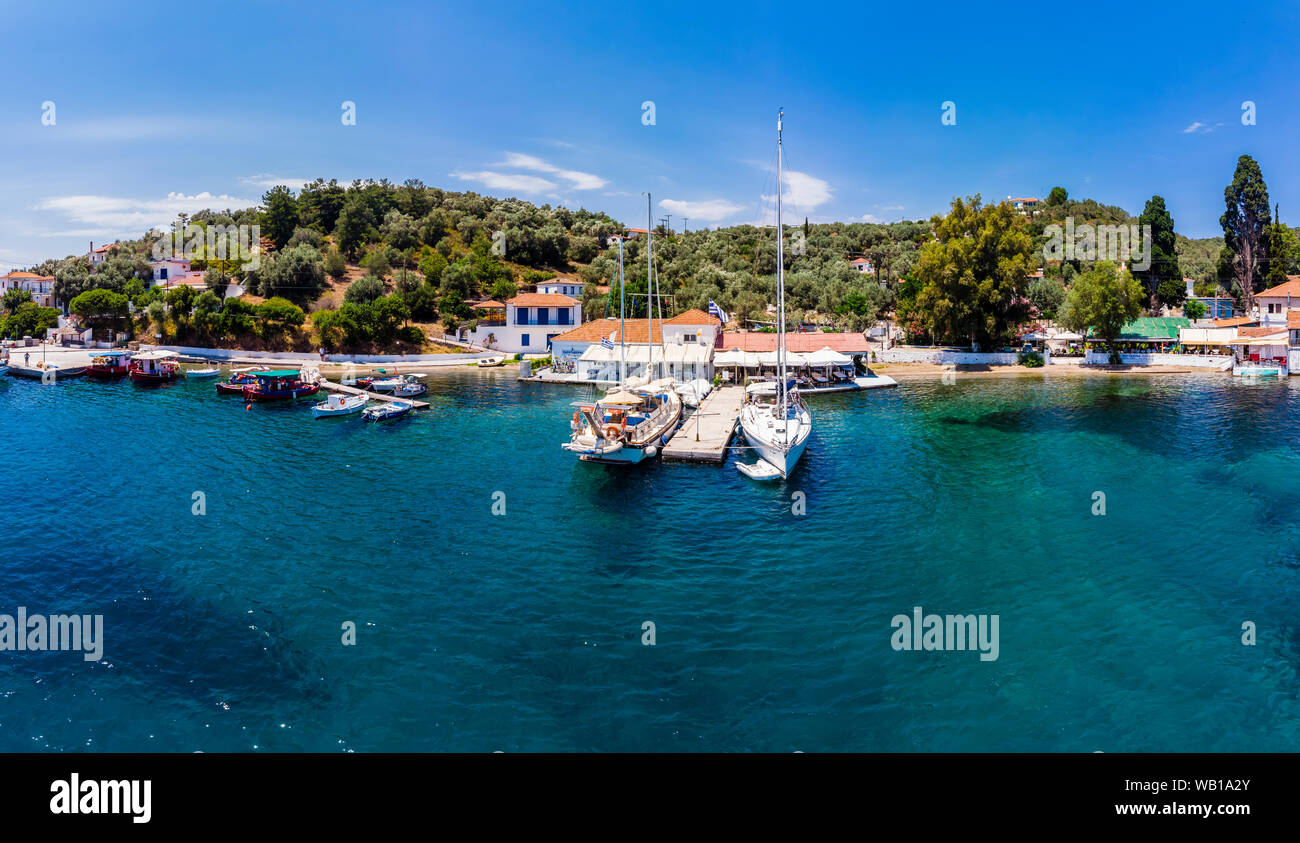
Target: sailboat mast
[(622, 308), (649, 286), (780, 278)]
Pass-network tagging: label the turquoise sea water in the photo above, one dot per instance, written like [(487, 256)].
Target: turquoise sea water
[(522, 632)]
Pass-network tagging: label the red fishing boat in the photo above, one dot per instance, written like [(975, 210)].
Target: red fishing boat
[(235, 385), (279, 384), (109, 364), (154, 367)]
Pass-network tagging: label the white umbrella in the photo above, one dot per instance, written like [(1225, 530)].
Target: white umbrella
[(828, 357)]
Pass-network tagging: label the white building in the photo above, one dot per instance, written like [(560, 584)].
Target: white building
[(525, 324), (681, 347), (1273, 305), (862, 265), (170, 271), (562, 287), (40, 286)]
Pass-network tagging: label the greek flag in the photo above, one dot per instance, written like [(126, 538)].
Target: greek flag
[(714, 310), (607, 342)]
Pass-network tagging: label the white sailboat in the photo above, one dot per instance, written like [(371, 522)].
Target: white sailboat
[(637, 417), (774, 420)]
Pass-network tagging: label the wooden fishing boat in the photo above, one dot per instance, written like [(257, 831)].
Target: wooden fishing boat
[(240, 378), (410, 390), (279, 385), (151, 367), (109, 364), (387, 411), (202, 373), (340, 405)]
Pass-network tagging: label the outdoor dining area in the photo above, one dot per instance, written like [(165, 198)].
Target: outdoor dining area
[(824, 369)]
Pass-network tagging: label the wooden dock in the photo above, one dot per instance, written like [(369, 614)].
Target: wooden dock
[(707, 433), (377, 396)]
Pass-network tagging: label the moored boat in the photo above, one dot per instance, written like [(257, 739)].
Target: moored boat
[(202, 373), (387, 411), (339, 404), (154, 367), (774, 420), (410, 390), (279, 385), (109, 364), (626, 426)]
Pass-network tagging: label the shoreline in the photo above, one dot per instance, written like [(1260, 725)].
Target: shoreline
[(1073, 370)]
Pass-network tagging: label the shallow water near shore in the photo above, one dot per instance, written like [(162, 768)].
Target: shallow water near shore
[(522, 631)]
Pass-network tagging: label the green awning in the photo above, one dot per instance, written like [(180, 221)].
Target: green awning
[(1150, 328), (279, 373)]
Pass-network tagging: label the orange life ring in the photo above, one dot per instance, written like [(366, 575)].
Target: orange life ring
[(612, 430), (575, 418)]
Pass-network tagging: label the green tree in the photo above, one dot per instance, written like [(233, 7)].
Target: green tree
[(1046, 295), (180, 301), (216, 281), (1058, 196), (336, 266), (1105, 299), (1246, 224), (1163, 265), (278, 317), (100, 308), (1194, 309), (974, 274), (354, 224), (432, 265), (279, 215), (296, 274), (30, 320), (15, 297), (365, 290)]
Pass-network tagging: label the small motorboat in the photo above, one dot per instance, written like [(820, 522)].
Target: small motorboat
[(340, 405), (387, 411), (202, 373), (491, 362), (391, 384), (410, 390)]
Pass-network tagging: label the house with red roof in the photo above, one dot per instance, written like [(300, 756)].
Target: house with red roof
[(529, 322), (40, 286), (681, 347), (1273, 305)]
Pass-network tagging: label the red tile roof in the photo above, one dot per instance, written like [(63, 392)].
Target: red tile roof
[(1258, 331), (28, 276), (1293, 319), (694, 316), (1289, 287), (1234, 322), (598, 329), (801, 342), (542, 300)]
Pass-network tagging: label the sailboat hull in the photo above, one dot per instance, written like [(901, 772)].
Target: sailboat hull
[(773, 451)]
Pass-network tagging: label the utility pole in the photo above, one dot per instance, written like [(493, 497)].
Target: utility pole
[(684, 221), (668, 223)]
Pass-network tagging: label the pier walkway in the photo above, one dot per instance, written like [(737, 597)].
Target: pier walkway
[(705, 435), (377, 396)]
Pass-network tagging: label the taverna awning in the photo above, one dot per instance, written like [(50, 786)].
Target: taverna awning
[(597, 353), (736, 357), (685, 353), (1273, 339), (792, 358), (826, 356)]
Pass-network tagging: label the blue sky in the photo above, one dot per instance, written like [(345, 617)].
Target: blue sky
[(158, 106)]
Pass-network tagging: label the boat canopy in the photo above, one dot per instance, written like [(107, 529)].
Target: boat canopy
[(277, 373), (622, 397), (156, 355)]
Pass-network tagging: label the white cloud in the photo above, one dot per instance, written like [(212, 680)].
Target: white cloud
[(803, 191), (580, 180), (1198, 128), (122, 216), (890, 207), (706, 210), (269, 181), (506, 181)]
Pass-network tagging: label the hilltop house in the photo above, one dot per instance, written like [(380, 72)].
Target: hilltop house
[(562, 287), (40, 286), (98, 256), (1024, 204), (862, 265), (526, 323), (171, 271)]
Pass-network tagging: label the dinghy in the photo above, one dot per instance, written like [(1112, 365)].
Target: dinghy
[(202, 373)]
